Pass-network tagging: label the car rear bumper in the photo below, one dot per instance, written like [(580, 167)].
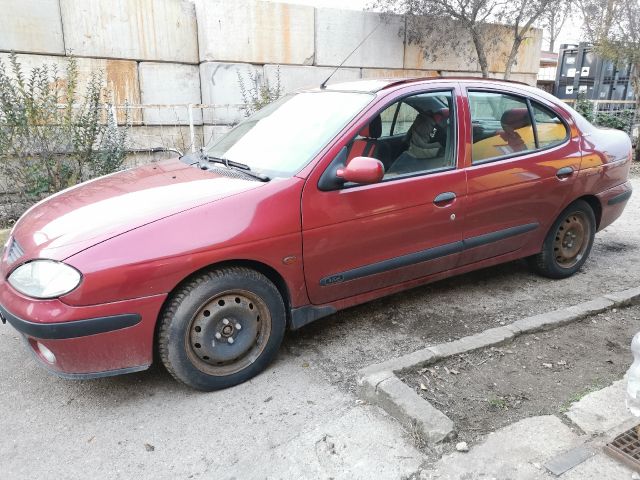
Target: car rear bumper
[(88, 341), (613, 202)]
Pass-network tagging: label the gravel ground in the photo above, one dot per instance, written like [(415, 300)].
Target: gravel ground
[(536, 374)]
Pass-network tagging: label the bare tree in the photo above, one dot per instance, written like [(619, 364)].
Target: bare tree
[(521, 15), (554, 19), (431, 19)]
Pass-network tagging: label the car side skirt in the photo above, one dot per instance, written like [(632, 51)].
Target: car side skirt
[(426, 255)]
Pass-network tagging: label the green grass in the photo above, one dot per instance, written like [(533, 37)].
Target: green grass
[(497, 403), (594, 387)]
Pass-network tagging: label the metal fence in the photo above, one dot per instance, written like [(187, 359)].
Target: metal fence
[(166, 128)]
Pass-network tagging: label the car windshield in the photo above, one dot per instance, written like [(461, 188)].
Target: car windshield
[(284, 136)]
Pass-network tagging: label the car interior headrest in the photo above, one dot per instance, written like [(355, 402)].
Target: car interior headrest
[(515, 118), (374, 129)]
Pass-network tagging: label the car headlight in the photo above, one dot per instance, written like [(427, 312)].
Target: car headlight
[(44, 278)]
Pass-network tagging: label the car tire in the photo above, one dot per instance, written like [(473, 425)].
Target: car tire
[(221, 328), (568, 243)]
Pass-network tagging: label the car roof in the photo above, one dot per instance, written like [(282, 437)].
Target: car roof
[(376, 85)]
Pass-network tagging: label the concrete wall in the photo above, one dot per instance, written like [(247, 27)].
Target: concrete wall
[(255, 32), (31, 26), (180, 52), (133, 29)]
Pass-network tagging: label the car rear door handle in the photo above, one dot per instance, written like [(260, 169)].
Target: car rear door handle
[(564, 172), (444, 199)]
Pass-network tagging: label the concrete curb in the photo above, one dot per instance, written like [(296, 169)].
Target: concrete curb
[(379, 385)]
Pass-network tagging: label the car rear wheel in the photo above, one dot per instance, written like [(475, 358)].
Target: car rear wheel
[(222, 328), (568, 243)]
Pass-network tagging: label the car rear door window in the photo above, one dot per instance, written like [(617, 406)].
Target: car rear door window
[(551, 130), (502, 125)]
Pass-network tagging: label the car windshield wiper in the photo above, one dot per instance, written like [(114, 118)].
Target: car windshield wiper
[(246, 169)]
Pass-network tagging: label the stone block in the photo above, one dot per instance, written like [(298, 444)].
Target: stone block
[(368, 383), (146, 138), (135, 29), (372, 73), (409, 408), (255, 32), (444, 37), (546, 321), (435, 52), (296, 77), (487, 338), (528, 58), (625, 297), (220, 85), (600, 411), (170, 84), (212, 133), (121, 77), (31, 26), (338, 32)]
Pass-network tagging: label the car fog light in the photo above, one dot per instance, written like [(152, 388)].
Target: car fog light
[(46, 353)]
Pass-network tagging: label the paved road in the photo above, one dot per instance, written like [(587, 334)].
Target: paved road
[(299, 419)]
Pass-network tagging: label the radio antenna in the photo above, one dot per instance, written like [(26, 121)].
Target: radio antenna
[(323, 85)]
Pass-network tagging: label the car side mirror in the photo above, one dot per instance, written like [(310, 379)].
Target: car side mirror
[(362, 170)]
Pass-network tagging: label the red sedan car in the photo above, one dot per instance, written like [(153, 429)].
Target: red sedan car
[(325, 199)]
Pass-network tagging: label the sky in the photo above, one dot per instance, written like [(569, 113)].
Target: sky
[(570, 34)]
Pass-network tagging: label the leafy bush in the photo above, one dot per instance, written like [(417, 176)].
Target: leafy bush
[(51, 135), (259, 92), (621, 120)]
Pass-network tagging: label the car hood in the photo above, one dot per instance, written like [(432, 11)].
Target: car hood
[(92, 212)]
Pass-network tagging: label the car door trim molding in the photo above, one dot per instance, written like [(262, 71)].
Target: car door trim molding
[(426, 255)]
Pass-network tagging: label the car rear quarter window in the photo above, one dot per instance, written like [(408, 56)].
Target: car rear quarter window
[(551, 130), (502, 125)]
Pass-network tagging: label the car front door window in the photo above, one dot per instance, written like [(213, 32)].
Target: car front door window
[(411, 137)]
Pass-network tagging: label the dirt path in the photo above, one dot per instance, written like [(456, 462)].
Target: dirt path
[(537, 374)]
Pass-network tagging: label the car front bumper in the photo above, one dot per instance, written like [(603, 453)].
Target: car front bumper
[(85, 341)]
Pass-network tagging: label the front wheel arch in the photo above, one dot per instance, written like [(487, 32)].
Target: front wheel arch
[(272, 274)]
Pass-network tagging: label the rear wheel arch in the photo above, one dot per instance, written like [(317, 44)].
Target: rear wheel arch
[(595, 205)]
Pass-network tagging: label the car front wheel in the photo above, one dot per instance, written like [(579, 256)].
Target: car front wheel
[(568, 243), (222, 328)]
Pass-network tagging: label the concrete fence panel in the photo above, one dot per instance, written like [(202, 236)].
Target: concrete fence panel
[(221, 88), (338, 32), (160, 30), (255, 32), (296, 77), (121, 76), (372, 73), (528, 58), (448, 46), (169, 83), (31, 26)]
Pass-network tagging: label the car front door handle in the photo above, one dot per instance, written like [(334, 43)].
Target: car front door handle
[(444, 199), (564, 172)]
